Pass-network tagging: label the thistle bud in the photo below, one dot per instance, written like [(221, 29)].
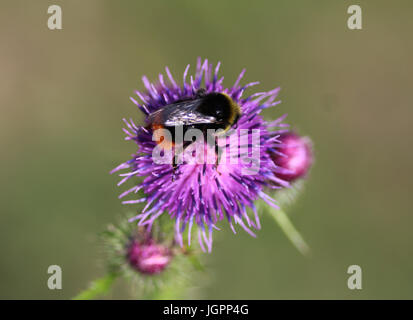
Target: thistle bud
[(294, 157), (148, 257)]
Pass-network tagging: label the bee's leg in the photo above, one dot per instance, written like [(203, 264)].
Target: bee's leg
[(174, 168), (218, 153), (175, 165)]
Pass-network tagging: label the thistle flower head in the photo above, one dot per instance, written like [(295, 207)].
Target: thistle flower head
[(149, 259), (202, 193), (293, 157)]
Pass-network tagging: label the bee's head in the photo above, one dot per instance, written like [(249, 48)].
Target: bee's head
[(222, 108)]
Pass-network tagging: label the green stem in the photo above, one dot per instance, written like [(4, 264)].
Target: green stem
[(290, 231), (100, 286)]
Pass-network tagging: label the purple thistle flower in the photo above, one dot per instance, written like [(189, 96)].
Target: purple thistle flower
[(294, 157), (204, 194)]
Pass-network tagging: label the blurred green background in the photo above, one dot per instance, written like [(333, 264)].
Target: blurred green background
[(63, 95)]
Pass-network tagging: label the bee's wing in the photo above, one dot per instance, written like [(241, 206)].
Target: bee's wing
[(180, 113)]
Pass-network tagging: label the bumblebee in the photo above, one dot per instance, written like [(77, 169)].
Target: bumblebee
[(204, 111)]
